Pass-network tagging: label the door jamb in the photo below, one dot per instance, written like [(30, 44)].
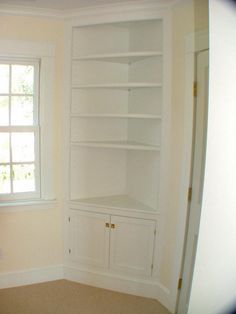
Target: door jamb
[(195, 42)]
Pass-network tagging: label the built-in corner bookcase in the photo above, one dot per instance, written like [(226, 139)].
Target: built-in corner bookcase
[(116, 115)]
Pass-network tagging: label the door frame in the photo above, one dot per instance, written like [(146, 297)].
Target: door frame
[(195, 42)]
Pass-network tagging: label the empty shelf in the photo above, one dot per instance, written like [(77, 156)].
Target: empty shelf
[(124, 57), (117, 144), (118, 85), (115, 201), (115, 115)]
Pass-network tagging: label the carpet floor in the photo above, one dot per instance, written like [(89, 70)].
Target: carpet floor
[(66, 297)]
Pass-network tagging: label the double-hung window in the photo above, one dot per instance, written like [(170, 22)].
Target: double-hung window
[(19, 129)]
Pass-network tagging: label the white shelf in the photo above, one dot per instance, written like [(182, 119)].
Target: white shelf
[(111, 115), (118, 85), (123, 202), (117, 144), (116, 115), (125, 57)]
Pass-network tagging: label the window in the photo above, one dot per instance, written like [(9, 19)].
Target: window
[(19, 129)]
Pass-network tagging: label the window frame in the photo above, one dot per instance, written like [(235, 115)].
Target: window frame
[(45, 53), (34, 128)]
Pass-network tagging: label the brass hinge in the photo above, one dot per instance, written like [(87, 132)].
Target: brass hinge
[(69, 251), (190, 192), (152, 266), (155, 231), (69, 219), (195, 89), (180, 283)]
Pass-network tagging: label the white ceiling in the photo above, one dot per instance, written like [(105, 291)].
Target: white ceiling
[(63, 4)]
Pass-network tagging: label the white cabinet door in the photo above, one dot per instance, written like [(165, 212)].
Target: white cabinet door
[(89, 238), (131, 245)]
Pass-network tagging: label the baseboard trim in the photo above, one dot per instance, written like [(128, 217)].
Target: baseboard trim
[(110, 281), (117, 283), (31, 276)]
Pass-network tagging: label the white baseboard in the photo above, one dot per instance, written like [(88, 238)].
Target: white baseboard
[(110, 281), (114, 282), (31, 276)]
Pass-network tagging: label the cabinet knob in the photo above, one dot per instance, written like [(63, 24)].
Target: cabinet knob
[(107, 225), (113, 226)]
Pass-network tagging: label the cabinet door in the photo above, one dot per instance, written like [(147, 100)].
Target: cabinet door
[(131, 246), (89, 238)]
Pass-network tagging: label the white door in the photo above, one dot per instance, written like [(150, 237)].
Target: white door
[(89, 238), (198, 165), (131, 245)]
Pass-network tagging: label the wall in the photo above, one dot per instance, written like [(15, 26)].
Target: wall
[(33, 238), (214, 278)]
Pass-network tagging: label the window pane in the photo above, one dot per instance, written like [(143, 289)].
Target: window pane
[(23, 178), (22, 79), (4, 78), (22, 147), (22, 110), (5, 185), (4, 147), (4, 110)]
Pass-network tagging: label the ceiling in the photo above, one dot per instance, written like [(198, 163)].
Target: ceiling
[(63, 4)]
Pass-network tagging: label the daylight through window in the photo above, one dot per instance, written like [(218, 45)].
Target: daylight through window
[(19, 129)]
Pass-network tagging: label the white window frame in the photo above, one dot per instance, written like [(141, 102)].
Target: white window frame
[(35, 128), (44, 53)]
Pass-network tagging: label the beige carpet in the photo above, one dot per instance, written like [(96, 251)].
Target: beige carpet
[(65, 297)]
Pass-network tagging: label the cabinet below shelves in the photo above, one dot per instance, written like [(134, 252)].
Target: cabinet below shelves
[(114, 243)]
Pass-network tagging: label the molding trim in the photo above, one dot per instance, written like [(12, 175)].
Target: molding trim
[(31, 276), (194, 43), (144, 288), (97, 10), (7, 9)]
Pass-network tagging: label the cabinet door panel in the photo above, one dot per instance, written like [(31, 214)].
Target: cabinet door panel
[(89, 238), (131, 246)]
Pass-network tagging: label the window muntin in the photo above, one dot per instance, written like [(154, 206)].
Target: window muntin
[(19, 129)]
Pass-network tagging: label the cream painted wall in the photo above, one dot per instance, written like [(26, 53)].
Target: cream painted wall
[(34, 238), (182, 26)]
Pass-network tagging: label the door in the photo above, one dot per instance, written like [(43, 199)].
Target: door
[(131, 246), (89, 238), (198, 165)]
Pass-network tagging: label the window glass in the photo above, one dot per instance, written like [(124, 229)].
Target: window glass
[(4, 109), (22, 110), (22, 147), (23, 178), (19, 129), (4, 148), (5, 183), (4, 78), (22, 80)]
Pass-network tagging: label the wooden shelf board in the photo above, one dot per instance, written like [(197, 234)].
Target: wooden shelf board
[(124, 57), (117, 144), (115, 115), (123, 202), (118, 85)]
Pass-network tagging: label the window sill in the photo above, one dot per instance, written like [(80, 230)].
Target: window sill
[(22, 205)]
